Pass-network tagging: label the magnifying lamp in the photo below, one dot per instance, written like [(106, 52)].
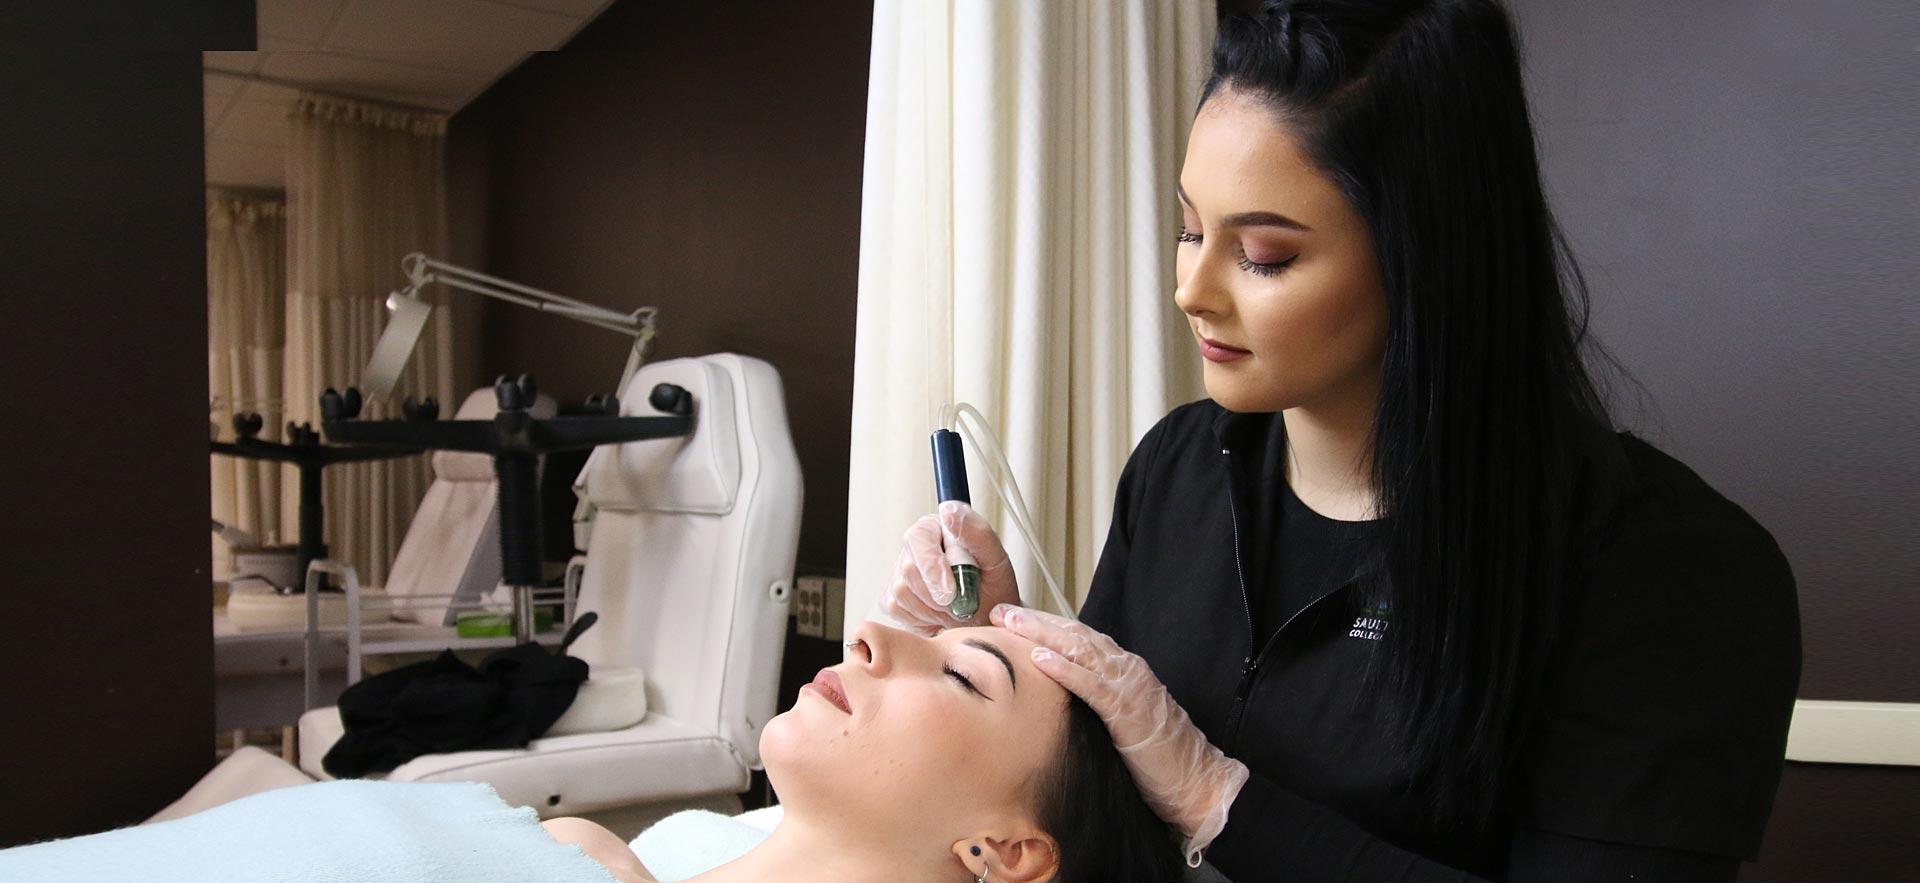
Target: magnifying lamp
[(409, 318)]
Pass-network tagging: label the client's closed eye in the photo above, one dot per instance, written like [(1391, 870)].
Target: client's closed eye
[(965, 682)]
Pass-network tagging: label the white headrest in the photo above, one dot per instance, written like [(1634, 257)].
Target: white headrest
[(481, 404), (698, 473)]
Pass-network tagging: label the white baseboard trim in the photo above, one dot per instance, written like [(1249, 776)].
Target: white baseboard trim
[(1826, 731)]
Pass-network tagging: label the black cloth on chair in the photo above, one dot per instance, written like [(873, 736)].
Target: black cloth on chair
[(444, 705)]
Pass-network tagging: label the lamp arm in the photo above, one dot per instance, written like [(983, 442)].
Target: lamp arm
[(396, 343), (421, 269)]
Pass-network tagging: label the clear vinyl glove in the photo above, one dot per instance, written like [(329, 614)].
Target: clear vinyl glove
[(1184, 778), (923, 583)]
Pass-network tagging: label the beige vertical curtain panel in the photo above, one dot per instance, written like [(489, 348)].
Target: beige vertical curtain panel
[(1016, 253), (365, 186), (246, 281)]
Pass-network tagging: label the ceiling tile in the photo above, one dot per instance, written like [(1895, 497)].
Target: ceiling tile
[(490, 64), (270, 43), (432, 53), (216, 109), (258, 91), (447, 25), (245, 62), (300, 21), (255, 122), (218, 93), (350, 75), (216, 86), (237, 62), (237, 164), (224, 91)]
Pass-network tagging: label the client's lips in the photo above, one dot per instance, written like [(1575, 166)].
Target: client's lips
[(827, 684)]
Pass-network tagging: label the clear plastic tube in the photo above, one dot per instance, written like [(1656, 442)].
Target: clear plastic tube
[(977, 431)]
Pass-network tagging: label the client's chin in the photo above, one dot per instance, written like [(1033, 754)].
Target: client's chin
[(798, 740)]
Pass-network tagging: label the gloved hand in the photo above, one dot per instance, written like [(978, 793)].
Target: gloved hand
[(1184, 778), (923, 583)]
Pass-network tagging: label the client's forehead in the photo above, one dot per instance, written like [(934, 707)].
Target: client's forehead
[(994, 635)]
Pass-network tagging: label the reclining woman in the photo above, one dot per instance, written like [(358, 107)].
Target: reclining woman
[(949, 758)]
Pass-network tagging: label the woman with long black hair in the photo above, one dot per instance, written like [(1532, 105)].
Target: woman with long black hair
[(1397, 602)]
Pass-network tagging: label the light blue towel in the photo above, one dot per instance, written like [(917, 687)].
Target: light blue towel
[(363, 831), (693, 842)]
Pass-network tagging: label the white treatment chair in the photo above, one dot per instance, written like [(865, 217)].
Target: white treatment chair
[(690, 566), (451, 550)]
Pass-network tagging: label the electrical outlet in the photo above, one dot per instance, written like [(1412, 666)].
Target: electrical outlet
[(836, 610), (810, 606)]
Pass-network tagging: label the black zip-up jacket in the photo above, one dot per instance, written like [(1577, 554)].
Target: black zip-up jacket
[(1654, 754)]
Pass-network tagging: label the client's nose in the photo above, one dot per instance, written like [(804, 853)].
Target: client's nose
[(872, 647)]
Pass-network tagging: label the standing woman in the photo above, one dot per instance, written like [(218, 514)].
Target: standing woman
[(1396, 602)]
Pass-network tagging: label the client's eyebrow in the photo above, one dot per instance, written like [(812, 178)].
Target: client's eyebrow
[(978, 644)]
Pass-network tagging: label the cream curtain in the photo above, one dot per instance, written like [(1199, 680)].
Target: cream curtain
[(365, 186), (1016, 252), (246, 278)]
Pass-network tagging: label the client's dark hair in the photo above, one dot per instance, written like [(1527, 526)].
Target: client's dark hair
[(1087, 800)]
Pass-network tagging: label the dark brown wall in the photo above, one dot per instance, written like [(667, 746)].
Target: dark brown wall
[(1841, 823), (1724, 171), (702, 158), (104, 637)]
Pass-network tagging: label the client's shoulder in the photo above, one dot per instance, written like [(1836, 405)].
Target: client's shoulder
[(602, 846)]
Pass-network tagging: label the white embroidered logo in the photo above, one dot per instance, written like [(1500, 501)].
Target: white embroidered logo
[(1371, 625)]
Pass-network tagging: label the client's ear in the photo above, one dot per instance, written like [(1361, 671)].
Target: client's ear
[(1025, 857)]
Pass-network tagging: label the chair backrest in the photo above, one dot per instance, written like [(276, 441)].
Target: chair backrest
[(691, 552), (452, 547)]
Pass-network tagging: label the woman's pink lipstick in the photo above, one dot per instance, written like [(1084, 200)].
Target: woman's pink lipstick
[(827, 684), (1215, 351)]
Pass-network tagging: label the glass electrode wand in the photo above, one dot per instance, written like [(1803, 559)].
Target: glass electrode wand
[(950, 483)]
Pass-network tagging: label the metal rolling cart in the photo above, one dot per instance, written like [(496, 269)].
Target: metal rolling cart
[(304, 449)]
